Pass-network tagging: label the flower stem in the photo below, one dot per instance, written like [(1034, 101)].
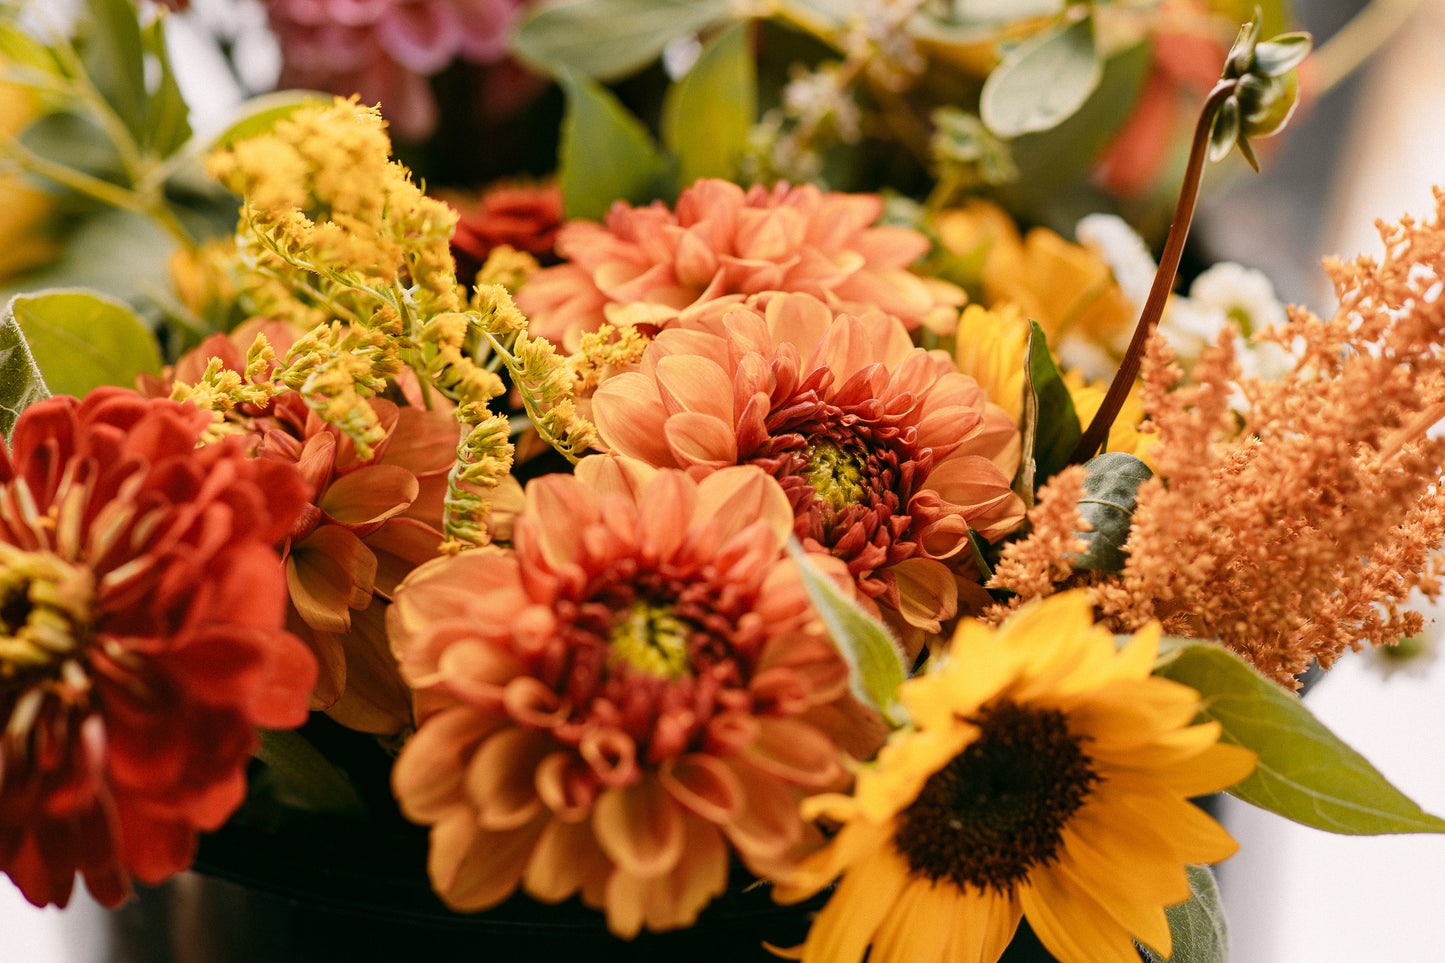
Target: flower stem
[(1098, 429)]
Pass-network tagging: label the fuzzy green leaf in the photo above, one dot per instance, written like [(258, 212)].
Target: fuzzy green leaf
[(1197, 925), (875, 663), (305, 778), (82, 339), (259, 114), (609, 39), (706, 115), (21, 383), (1305, 772), (1043, 82), (606, 154), (1110, 484)]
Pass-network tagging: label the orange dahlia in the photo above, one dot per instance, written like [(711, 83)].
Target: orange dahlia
[(723, 240), (141, 641), (635, 689), (887, 453), (1047, 774), (370, 522)]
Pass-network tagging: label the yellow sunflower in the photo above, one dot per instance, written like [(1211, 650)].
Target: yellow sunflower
[(1047, 773)]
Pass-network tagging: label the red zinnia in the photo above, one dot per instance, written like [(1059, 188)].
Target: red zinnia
[(141, 639)]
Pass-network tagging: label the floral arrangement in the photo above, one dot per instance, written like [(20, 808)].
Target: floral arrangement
[(716, 523)]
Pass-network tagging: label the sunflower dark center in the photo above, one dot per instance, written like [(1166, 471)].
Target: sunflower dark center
[(998, 808)]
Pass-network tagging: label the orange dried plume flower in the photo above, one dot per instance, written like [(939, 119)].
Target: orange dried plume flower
[(1301, 532)]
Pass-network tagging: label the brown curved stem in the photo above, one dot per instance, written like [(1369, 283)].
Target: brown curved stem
[(1098, 429)]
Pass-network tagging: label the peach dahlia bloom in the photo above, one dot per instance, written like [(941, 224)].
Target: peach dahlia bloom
[(723, 240), (635, 689), (887, 453), (141, 641)]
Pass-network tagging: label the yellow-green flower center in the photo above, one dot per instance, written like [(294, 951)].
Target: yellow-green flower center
[(998, 808), (836, 474), (44, 610), (652, 639)]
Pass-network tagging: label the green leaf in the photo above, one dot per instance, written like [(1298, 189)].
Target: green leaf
[(1305, 772), (1197, 925), (1051, 424), (706, 115), (875, 663), (1043, 81), (82, 339), (609, 39), (606, 154), (167, 117), (305, 778), (1224, 132), (1110, 485), (1279, 55), (259, 114), (21, 383), (112, 56), (20, 49)]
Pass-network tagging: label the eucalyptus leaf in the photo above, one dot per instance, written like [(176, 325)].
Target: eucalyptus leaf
[(1110, 485), (1043, 81), (259, 114), (1049, 410), (606, 154), (1197, 925), (305, 778), (83, 339), (21, 383), (1305, 772), (875, 663), (609, 39), (111, 52), (708, 113)]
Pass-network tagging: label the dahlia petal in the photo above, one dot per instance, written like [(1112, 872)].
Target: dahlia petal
[(499, 779), (422, 37), (741, 496), (691, 383), (769, 826), (424, 441), (794, 751), (370, 494), (628, 412), (375, 699), (699, 440), (564, 507), (697, 879), (703, 784), (639, 827), (427, 775), (565, 857), (664, 512), (486, 867), (330, 573), (566, 786), (399, 546), (927, 592)]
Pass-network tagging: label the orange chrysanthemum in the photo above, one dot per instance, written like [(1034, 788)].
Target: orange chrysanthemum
[(141, 639), (1047, 774), (638, 686), (887, 453), (722, 240)]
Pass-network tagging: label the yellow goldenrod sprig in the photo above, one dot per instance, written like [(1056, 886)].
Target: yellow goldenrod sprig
[(484, 459), (334, 367), (607, 347)]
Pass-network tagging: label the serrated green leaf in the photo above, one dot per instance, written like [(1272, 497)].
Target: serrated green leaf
[(21, 383), (305, 778), (606, 154), (82, 339), (1305, 772), (708, 113), (875, 663), (609, 39), (1049, 414), (1042, 82), (168, 124), (1196, 926), (1111, 482), (111, 52)]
